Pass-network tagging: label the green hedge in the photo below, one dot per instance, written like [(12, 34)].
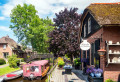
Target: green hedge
[(12, 60), (109, 80), (2, 61)]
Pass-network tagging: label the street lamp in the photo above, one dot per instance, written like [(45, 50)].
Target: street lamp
[(101, 52)]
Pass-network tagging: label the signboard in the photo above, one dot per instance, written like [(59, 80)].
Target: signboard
[(85, 45)]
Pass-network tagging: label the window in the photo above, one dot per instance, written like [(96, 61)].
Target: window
[(42, 69), (89, 25), (85, 30), (4, 46), (5, 54)]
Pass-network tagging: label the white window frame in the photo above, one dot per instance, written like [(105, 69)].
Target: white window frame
[(89, 25), (85, 30), (4, 46)]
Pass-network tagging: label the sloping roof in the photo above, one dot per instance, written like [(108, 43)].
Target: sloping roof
[(105, 13), (41, 62), (8, 40)]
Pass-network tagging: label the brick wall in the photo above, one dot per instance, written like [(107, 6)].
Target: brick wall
[(111, 71), (8, 49), (114, 75)]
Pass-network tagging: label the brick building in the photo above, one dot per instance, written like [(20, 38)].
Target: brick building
[(8, 47), (100, 25)]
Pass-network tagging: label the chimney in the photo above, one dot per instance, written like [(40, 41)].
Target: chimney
[(7, 36)]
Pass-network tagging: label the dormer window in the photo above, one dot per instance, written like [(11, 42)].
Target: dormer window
[(4, 46), (85, 30), (89, 25)]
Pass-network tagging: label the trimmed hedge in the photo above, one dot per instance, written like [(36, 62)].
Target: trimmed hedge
[(2, 61)]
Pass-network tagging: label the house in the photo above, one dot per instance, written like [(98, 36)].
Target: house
[(8, 47), (100, 25)]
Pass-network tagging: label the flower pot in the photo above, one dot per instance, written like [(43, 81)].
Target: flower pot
[(92, 74), (98, 74), (60, 66)]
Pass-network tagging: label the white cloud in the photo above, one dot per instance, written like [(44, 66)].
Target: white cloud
[(2, 18), (44, 7), (4, 28)]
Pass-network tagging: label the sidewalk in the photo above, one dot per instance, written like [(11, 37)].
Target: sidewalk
[(58, 75), (4, 65)]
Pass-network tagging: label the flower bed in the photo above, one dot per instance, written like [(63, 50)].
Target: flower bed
[(94, 72)]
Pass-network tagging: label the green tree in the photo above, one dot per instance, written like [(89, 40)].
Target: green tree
[(21, 17), (29, 27), (38, 34), (24, 44)]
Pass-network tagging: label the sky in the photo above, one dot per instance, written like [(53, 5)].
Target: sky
[(44, 7)]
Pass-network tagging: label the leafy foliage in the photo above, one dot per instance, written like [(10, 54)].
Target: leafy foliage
[(77, 61), (39, 29), (29, 28), (21, 17), (61, 63), (2, 61), (109, 80), (24, 45), (12, 60), (59, 58), (64, 38)]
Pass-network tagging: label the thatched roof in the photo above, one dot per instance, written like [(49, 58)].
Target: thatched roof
[(8, 40), (105, 13)]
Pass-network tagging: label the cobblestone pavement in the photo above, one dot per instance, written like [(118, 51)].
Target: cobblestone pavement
[(59, 75)]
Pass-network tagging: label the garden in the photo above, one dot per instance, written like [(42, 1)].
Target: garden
[(14, 64)]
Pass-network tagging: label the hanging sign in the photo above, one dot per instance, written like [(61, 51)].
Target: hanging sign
[(85, 45)]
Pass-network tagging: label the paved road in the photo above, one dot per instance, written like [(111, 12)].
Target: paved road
[(4, 65), (59, 75)]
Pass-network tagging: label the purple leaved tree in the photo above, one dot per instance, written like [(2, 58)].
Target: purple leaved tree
[(64, 38)]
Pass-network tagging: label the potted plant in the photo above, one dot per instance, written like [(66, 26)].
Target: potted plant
[(77, 63), (90, 71), (98, 72), (61, 63)]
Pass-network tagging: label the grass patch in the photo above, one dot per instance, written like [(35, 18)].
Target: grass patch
[(7, 69)]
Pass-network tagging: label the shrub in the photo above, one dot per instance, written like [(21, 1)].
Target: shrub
[(12, 60), (59, 58), (109, 80), (61, 63), (77, 61), (2, 61), (18, 60)]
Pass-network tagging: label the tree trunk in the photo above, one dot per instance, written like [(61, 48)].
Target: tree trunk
[(73, 58)]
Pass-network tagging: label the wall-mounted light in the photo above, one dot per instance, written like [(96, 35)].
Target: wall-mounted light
[(101, 52)]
